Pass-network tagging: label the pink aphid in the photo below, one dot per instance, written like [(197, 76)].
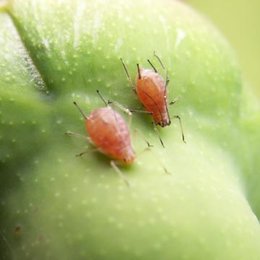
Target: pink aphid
[(151, 89), (152, 93), (109, 132)]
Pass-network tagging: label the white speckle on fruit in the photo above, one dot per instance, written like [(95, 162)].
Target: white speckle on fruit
[(75, 189), (88, 215), (181, 34), (57, 194), (46, 43), (118, 44), (151, 221), (157, 246), (84, 202), (69, 206), (118, 206), (60, 224), (93, 200), (111, 220), (120, 226)]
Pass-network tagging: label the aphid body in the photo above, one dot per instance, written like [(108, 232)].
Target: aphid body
[(152, 92), (151, 89), (109, 132)]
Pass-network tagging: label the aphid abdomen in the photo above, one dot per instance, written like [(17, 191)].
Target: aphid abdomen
[(110, 134)]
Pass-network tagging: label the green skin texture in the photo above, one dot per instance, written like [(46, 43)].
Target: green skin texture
[(78, 208)]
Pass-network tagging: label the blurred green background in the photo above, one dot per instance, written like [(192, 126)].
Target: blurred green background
[(239, 21)]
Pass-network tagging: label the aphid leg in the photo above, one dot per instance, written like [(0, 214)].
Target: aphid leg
[(149, 145), (182, 133), (138, 70), (86, 151), (165, 170), (167, 80), (125, 110), (82, 153), (69, 133), (174, 101), (128, 76), (140, 111), (158, 134), (148, 148), (120, 174), (155, 70)]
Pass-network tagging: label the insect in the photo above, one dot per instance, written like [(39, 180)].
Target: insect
[(151, 89), (109, 133)]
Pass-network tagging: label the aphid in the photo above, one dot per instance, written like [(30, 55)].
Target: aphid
[(151, 89), (109, 133)]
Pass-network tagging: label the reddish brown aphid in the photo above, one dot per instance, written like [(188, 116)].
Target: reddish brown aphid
[(109, 132), (152, 92), (151, 89)]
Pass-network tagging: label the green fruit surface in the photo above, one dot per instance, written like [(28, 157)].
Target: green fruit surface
[(54, 205)]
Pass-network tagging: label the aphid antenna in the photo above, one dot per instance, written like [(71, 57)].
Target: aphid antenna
[(69, 133), (182, 132), (166, 72), (140, 111), (138, 70), (174, 101), (120, 174), (149, 145), (157, 57), (148, 148), (80, 110), (155, 70), (127, 74), (86, 151), (102, 98), (125, 110), (167, 79)]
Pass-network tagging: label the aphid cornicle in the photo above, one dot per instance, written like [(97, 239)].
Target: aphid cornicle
[(109, 132)]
